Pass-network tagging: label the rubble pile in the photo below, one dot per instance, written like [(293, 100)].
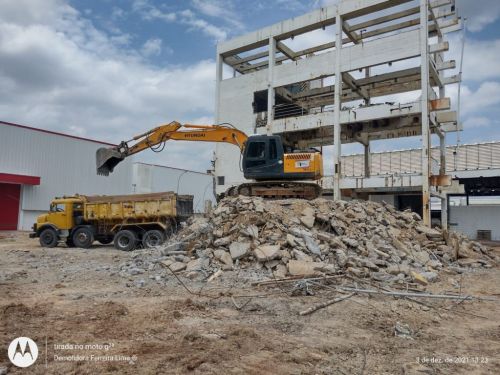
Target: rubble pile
[(296, 237)]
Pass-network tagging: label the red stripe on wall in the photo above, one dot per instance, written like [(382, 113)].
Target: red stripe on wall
[(9, 178)]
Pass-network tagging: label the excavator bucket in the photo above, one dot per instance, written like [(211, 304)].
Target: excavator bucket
[(107, 159)]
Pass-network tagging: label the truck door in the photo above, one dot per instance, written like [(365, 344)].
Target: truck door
[(60, 215)]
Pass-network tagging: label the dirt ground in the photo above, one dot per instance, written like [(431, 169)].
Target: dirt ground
[(86, 319)]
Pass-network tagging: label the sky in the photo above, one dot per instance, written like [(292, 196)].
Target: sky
[(110, 69)]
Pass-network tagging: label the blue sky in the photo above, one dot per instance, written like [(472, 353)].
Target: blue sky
[(109, 69)]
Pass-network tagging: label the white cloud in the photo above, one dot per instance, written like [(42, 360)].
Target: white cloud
[(186, 17), (59, 72), (477, 122), (150, 12), (481, 60), (118, 13), (486, 96), (479, 13), (189, 18), (222, 9), (152, 47)]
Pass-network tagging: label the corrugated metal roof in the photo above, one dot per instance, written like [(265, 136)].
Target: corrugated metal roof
[(54, 133)]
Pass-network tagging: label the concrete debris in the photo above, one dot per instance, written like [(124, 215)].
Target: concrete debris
[(402, 330), (280, 238), (239, 249), (264, 253), (177, 266)]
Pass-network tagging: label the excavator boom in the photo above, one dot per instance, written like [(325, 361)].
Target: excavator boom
[(108, 158), (273, 172)]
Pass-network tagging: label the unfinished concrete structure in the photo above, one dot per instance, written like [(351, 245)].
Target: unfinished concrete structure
[(337, 91)]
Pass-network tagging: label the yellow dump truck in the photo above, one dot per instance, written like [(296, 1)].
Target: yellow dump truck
[(128, 221)]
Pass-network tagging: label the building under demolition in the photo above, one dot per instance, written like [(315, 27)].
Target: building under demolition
[(343, 74)]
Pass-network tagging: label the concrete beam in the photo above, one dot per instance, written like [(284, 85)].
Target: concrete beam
[(446, 65), (283, 30), (286, 51), (351, 82), (352, 35), (439, 47), (452, 79), (448, 116), (308, 22), (379, 51), (356, 8), (384, 19), (440, 104)]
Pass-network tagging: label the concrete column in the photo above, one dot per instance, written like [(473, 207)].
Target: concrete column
[(367, 75), (442, 150), (424, 66), (442, 171), (218, 79), (367, 159), (270, 86), (337, 147)]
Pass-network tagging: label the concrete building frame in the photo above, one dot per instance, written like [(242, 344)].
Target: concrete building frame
[(308, 91)]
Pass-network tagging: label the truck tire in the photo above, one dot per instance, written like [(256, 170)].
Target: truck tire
[(83, 237), (152, 238), (48, 238), (125, 240)]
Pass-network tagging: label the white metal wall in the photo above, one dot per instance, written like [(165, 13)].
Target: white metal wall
[(480, 156), (470, 219), (66, 166), (148, 178)]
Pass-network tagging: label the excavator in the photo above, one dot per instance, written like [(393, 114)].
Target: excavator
[(276, 170)]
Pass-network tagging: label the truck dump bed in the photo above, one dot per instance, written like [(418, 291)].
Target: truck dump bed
[(137, 207)]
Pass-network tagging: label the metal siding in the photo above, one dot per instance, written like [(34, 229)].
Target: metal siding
[(152, 178), (470, 219), (480, 156), (66, 166)]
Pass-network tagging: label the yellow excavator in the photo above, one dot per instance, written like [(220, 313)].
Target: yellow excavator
[(276, 170)]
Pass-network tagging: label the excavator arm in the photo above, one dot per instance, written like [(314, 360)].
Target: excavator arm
[(108, 158)]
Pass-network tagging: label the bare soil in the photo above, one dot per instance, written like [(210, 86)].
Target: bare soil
[(77, 297)]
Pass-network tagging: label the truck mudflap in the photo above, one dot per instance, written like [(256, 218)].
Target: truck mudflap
[(33, 235)]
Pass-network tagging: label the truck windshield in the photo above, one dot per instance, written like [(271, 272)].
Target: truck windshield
[(57, 207)]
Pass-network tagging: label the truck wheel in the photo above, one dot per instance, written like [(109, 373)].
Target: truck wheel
[(125, 240), (48, 238), (83, 237), (152, 238), (69, 242)]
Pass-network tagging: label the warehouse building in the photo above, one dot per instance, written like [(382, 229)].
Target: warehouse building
[(37, 165)]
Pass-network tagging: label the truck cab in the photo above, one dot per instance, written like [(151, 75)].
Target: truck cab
[(58, 222)]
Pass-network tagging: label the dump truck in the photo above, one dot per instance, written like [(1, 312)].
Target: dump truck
[(129, 221)]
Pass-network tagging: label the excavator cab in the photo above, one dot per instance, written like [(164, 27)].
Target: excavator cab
[(264, 158)]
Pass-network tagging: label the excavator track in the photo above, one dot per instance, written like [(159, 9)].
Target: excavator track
[(277, 190)]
